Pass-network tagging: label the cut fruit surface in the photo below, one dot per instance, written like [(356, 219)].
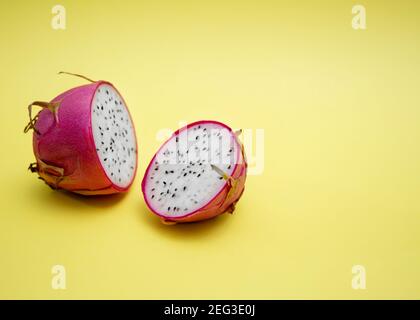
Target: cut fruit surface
[(114, 135), (197, 174)]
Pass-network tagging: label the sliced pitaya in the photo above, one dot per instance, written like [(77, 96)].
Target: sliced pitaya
[(84, 141), (197, 174)]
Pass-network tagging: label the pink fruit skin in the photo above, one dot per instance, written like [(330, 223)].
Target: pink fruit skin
[(69, 144), (223, 201)]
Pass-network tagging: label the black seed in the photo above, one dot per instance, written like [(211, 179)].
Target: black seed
[(185, 188), (153, 196), (173, 196), (185, 174), (105, 159), (169, 208)]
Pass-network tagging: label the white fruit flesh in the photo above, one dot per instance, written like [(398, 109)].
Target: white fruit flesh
[(114, 136), (181, 179)]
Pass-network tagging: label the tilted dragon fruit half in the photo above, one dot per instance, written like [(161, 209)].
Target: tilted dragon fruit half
[(197, 174), (84, 140)]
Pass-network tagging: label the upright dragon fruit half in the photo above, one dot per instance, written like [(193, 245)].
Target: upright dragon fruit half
[(84, 140), (197, 174)]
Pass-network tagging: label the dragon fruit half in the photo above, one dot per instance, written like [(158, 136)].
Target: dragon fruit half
[(197, 174), (84, 140)]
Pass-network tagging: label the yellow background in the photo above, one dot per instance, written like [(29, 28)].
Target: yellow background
[(340, 110)]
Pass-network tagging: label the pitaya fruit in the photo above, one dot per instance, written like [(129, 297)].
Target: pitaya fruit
[(197, 174), (84, 140)]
